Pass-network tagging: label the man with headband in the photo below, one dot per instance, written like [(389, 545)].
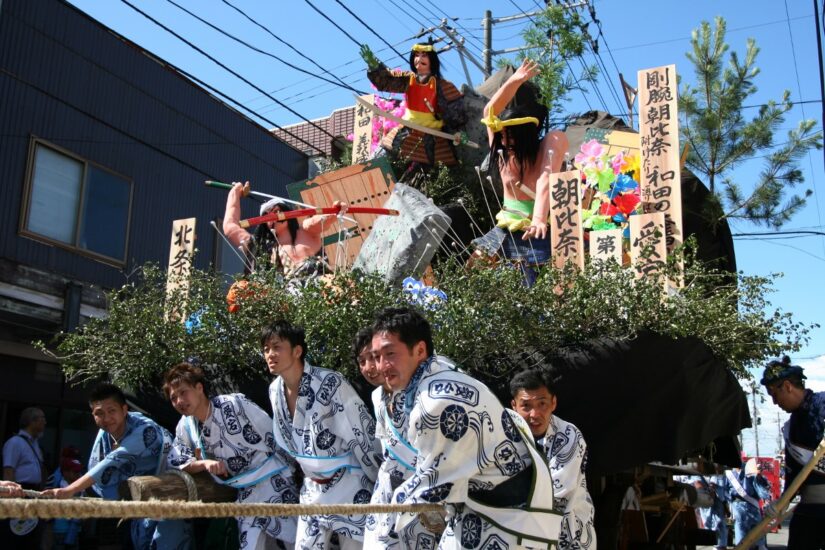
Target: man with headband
[(785, 383), (431, 101), (525, 162)]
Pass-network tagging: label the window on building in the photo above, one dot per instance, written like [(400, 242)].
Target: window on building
[(76, 204)]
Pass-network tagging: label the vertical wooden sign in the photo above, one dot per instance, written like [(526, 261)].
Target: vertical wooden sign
[(606, 245), (362, 131), (648, 250), (181, 254), (566, 232), (661, 181)]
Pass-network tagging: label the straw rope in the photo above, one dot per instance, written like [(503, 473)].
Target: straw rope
[(168, 509)]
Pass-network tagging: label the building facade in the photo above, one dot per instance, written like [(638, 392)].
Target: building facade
[(102, 146)]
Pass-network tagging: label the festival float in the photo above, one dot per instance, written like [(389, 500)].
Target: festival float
[(639, 308)]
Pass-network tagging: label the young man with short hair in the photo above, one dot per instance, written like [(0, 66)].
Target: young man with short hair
[(127, 444), (803, 431), (394, 469), (465, 450), (230, 437), (561, 442), (323, 424)]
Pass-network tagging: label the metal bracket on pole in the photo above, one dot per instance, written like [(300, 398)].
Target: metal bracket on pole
[(459, 45)]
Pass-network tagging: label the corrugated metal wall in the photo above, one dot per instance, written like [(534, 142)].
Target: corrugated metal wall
[(67, 79)]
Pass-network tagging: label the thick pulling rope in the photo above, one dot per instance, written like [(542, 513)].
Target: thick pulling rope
[(169, 509)]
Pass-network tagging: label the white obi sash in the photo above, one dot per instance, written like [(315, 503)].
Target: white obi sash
[(270, 467), (536, 522), (740, 489), (315, 466), (802, 455), (324, 466)]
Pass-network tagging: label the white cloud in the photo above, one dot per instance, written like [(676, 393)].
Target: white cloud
[(815, 371)]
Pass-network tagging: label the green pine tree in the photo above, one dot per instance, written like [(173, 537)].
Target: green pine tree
[(722, 138)]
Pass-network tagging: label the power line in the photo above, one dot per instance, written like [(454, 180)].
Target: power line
[(799, 88), (392, 14), (682, 39), (424, 17), (177, 112), (369, 28), (263, 52), (245, 80), (769, 241), (287, 44), (336, 25), (592, 11), (302, 94), (795, 103), (346, 76), (569, 68), (602, 67), (455, 20), (773, 233), (405, 12)]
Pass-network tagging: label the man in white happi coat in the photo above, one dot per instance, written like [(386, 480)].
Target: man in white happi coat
[(230, 437), (395, 467), (323, 424), (465, 449), (534, 399)]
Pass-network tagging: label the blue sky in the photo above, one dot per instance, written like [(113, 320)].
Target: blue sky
[(636, 35)]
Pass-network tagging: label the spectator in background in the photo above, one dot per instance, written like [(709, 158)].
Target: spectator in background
[(22, 456), (64, 533), (714, 517), (23, 463), (747, 487)]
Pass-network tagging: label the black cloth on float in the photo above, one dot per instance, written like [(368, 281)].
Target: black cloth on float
[(652, 398)]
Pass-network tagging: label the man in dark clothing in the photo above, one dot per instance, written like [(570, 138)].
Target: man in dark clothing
[(803, 432)]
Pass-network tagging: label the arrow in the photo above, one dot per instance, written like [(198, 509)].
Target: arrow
[(227, 186), (459, 138), (282, 216)]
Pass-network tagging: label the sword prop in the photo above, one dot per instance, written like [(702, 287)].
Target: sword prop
[(459, 138), (227, 186), (282, 216)]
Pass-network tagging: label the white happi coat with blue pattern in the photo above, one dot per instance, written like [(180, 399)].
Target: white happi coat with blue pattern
[(239, 433), (472, 455), (331, 436)]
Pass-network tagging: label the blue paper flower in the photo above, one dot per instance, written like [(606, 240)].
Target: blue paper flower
[(193, 322), (422, 295), (623, 184)]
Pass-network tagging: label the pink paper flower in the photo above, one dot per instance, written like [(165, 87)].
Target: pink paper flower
[(619, 163), (590, 156)]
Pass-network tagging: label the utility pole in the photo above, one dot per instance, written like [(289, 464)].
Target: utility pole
[(779, 438), (755, 419), (487, 25)]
